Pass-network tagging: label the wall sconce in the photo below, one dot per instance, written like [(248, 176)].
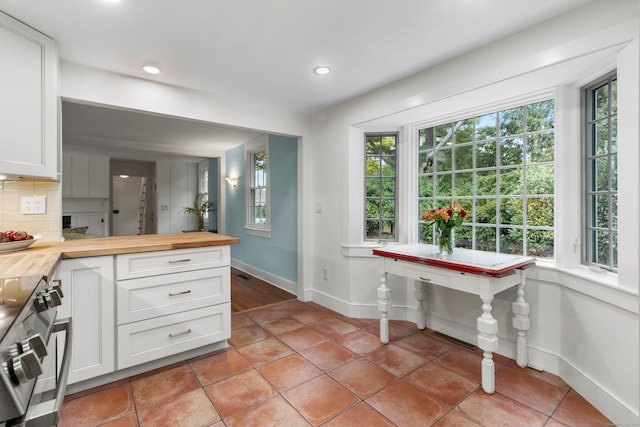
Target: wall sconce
[(232, 181)]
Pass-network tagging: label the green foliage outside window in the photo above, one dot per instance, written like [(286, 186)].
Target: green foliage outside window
[(601, 174), (381, 187), (499, 167)]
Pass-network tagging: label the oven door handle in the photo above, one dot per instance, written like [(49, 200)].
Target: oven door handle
[(48, 413)]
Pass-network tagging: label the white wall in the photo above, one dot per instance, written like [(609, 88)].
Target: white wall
[(584, 324)]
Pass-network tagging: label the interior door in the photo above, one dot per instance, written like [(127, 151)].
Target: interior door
[(125, 212)]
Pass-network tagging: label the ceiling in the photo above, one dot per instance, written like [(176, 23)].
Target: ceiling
[(263, 52)]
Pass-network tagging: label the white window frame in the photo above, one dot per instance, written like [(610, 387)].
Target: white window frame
[(396, 135), (470, 113), (570, 194), (252, 147)]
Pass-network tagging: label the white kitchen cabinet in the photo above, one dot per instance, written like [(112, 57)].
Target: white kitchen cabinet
[(150, 297), (169, 302), (159, 337), (95, 221), (146, 264), (85, 175), (28, 105), (87, 284)]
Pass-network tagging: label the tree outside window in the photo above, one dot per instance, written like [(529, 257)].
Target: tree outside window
[(381, 182), (500, 167), (601, 174)]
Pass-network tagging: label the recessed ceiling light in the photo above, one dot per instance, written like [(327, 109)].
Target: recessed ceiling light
[(322, 70), (151, 69)]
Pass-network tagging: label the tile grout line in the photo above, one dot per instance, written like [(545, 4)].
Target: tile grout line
[(289, 310)]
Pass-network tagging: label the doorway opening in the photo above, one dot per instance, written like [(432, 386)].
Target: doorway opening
[(132, 198)]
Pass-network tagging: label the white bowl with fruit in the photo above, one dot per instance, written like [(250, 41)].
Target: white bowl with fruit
[(16, 240)]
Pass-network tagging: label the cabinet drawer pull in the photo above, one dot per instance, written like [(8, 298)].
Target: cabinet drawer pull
[(425, 279), (176, 261), (173, 294), (188, 331)]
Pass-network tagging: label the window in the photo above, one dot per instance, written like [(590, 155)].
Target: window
[(258, 187), (500, 167), (381, 182), (600, 174)]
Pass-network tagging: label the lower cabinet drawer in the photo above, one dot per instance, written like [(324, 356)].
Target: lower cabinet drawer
[(145, 264), (141, 299), (153, 339)]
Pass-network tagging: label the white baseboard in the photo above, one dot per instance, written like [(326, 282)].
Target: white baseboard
[(539, 359), (277, 281), (597, 396)]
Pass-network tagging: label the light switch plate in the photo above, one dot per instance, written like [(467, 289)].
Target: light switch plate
[(34, 205)]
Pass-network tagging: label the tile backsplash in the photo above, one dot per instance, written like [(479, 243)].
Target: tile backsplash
[(48, 225)]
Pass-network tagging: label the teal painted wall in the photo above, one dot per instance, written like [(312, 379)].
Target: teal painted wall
[(277, 255)]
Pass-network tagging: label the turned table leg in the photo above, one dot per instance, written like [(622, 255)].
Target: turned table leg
[(488, 342), (520, 321), (384, 304), (421, 315)]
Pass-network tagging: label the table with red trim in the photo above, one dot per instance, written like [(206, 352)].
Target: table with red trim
[(476, 272)]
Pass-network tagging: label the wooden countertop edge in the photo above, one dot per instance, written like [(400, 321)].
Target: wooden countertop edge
[(43, 257)]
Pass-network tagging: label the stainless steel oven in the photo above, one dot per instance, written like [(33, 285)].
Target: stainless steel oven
[(33, 377)]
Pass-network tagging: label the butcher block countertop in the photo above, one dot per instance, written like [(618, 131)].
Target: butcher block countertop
[(43, 257)]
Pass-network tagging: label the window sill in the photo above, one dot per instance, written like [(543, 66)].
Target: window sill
[(602, 286), (258, 232), (364, 250), (597, 276)]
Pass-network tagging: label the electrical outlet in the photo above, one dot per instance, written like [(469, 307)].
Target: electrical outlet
[(34, 205)]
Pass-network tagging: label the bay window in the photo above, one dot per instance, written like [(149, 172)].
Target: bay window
[(500, 167), (381, 182), (601, 173)]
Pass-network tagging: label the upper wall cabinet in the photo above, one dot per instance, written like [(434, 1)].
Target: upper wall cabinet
[(28, 101), (85, 175)]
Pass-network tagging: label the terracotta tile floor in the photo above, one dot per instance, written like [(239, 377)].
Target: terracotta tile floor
[(299, 364)]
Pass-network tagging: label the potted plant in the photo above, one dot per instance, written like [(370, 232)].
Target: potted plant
[(201, 205)]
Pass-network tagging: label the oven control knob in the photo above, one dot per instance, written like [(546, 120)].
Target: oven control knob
[(55, 297), (35, 343), (39, 303), (57, 285), (26, 366), (47, 299)]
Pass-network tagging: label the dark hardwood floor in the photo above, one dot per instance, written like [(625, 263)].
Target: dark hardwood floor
[(249, 292)]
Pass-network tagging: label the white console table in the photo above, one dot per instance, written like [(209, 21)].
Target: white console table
[(476, 272)]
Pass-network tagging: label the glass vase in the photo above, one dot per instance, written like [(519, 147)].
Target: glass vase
[(445, 242)]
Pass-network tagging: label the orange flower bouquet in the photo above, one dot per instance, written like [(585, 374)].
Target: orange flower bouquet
[(446, 219)]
